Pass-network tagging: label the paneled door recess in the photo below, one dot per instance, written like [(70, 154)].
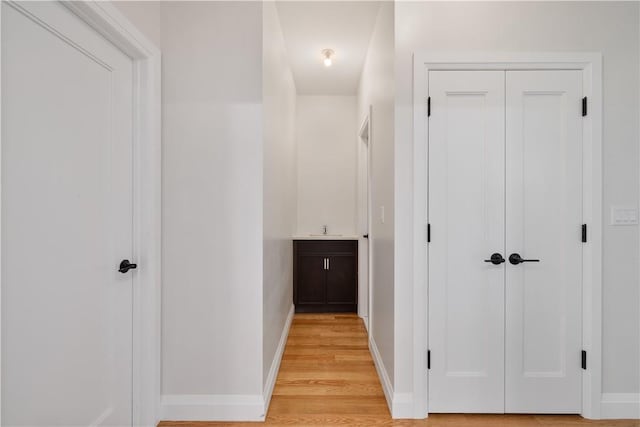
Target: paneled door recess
[(505, 250), (67, 147)]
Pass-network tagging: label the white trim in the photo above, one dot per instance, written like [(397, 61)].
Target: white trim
[(366, 129), (387, 386), (110, 23), (369, 207), (400, 404), (277, 358), (591, 64), (620, 406), (212, 407), (227, 407), (419, 246), (1, 240)]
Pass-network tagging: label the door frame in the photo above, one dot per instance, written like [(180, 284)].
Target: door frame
[(590, 63), (365, 129), (114, 26)]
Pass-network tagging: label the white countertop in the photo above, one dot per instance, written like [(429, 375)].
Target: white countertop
[(325, 237)]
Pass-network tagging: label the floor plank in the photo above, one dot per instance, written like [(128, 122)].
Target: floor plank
[(327, 378)]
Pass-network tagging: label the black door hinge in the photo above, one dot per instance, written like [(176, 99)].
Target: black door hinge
[(428, 233), (429, 106), (584, 106), (584, 359), (584, 233), (428, 359)]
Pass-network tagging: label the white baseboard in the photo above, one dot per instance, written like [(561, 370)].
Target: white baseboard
[(277, 358), (224, 407), (400, 404), (212, 407), (620, 405), (387, 387)]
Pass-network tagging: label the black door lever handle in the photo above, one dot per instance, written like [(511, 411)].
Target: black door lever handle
[(496, 259), (125, 266), (516, 259)]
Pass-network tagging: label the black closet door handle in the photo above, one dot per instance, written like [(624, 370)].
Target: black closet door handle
[(125, 266), (516, 259), (496, 259)]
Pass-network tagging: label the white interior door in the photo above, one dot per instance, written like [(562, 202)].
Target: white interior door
[(66, 221), (466, 214), (505, 159), (364, 209), (544, 217)]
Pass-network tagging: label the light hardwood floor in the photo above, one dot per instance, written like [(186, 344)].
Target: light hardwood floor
[(327, 377)]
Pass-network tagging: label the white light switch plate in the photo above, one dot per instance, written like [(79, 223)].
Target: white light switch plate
[(382, 214), (624, 215)]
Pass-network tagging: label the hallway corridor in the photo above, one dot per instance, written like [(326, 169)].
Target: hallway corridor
[(327, 377), (327, 374)]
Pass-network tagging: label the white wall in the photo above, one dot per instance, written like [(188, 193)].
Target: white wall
[(224, 309), (376, 89), (279, 188), (608, 27), (212, 207), (326, 139)]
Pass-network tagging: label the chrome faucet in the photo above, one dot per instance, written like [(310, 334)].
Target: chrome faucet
[(324, 229)]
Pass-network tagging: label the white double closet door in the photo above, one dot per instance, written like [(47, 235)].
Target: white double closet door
[(505, 178)]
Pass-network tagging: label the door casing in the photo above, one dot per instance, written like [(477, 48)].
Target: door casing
[(364, 151), (108, 21), (590, 63)]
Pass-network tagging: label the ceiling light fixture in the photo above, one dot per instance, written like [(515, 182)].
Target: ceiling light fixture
[(327, 54)]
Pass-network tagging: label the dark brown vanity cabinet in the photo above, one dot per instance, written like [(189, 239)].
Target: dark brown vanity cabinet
[(325, 276)]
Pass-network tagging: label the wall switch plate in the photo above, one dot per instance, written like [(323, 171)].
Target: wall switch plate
[(382, 214), (624, 215)]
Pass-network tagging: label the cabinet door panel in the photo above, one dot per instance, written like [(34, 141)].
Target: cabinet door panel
[(341, 280), (311, 279)]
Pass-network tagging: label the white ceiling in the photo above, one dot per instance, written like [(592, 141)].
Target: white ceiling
[(310, 26)]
